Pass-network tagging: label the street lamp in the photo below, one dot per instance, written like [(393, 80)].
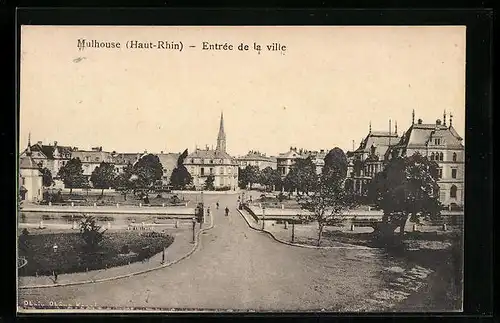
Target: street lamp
[(194, 225), (263, 217)]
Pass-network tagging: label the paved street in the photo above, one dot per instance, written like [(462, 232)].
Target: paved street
[(238, 268)]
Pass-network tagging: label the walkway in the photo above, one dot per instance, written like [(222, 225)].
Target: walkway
[(240, 269)]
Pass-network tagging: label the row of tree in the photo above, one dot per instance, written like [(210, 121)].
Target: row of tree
[(406, 188), (144, 175)]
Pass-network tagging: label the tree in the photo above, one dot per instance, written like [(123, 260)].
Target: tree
[(103, 176), (242, 177), (124, 182), (270, 177), (302, 176), (47, 179), (336, 160), (72, 174), (209, 183), (252, 175), (180, 177), (326, 200), (407, 187), (91, 232), (148, 170)]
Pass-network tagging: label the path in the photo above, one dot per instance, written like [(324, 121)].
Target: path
[(237, 268)]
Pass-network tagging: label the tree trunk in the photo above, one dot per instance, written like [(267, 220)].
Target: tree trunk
[(70, 191), (320, 233), (403, 224), (102, 192)]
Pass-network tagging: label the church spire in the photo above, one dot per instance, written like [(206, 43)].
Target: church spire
[(370, 127), (221, 138), (413, 117), (28, 150)]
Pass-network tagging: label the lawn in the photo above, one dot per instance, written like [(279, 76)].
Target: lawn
[(116, 249)]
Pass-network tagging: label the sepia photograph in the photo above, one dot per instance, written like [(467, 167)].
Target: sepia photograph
[(241, 169)]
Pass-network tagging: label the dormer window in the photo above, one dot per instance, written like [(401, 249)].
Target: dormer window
[(454, 157), (437, 141)]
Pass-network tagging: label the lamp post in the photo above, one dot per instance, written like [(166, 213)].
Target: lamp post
[(194, 227), (263, 217)]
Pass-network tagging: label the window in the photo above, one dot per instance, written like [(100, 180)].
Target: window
[(432, 156), (454, 173), (97, 159), (192, 161), (87, 158), (441, 156), (211, 161), (437, 141), (454, 157), (453, 191), (22, 180), (440, 173), (211, 171), (202, 171)]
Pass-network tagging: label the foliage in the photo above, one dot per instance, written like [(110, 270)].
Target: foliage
[(406, 187), (47, 179), (124, 182), (180, 177), (73, 256), (326, 197), (248, 176), (148, 170), (270, 177), (302, 176), (91, 232), (103, 176), (209, 183), (72, 174), (336, 162)]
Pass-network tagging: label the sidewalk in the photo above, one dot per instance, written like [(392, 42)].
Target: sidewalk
[(180, 247), (167, 210)]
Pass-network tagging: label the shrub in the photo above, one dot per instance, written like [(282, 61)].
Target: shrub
[(125, 249)]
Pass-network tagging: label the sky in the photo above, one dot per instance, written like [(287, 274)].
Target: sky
[(321, 92)]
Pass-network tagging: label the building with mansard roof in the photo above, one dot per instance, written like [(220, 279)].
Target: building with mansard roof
[(255, 158), (286, 160), (368, 158), (52, 157), (203, 163), (441, 143), (437, 141)]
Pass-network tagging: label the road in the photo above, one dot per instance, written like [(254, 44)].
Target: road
[(237, 268)]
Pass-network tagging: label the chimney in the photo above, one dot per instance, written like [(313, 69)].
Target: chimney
[(438, 122), (39, 143), (161, 152), (419, 121), (55, 143), (100, 148), (75, 148)]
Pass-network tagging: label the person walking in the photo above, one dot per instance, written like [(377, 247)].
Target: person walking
[(217, 205), (227, 211), (208, 211)]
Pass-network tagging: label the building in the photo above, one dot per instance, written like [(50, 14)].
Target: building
[(91, 159), (369, 158), (436, 141), (442, 144), (30, 178), (52, 157), (285, 161), (255, 158), (205, 162), (168, 162)]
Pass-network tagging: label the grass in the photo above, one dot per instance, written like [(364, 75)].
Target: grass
[(72, 255)]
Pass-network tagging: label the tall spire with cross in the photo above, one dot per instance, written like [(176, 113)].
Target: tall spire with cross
[(221, 138), (413, 117), (370, 127), (444, 118)]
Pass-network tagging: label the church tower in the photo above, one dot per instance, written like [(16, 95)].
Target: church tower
[(221, 138)]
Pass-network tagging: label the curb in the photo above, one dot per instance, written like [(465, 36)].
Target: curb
[(347, 246), (195, 247)]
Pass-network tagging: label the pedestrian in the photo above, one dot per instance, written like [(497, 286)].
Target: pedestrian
[(55, 276), (227, 211), (163, 257), (208, 211), (217, 205)]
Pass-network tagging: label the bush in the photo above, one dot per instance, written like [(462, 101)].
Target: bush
[(125, 249), (175, 199)]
